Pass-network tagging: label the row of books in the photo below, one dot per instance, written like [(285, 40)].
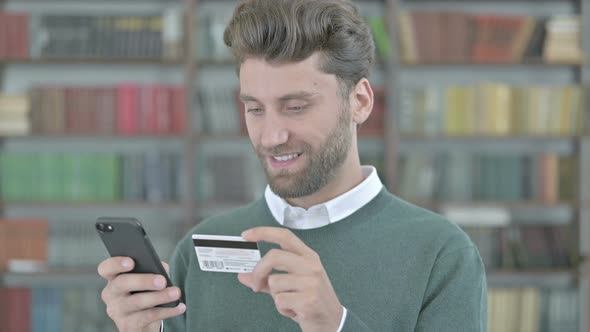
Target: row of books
[(428, 36), (525, 247), (221, 112), (75, 243), (36, 245), (533, 310), (85, 177), (125, 109), (14, 37), (493, 109), (53, 310), (73, 309), (157, 36), (460, 176)]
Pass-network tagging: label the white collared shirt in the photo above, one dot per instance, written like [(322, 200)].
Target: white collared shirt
[(326, 213), (329, 212)]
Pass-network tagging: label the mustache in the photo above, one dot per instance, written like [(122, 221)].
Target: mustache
[(282, 149)]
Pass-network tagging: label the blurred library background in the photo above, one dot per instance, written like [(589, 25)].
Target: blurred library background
[(129, 108)]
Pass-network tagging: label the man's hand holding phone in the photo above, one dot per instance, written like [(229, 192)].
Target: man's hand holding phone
[(133, 311)]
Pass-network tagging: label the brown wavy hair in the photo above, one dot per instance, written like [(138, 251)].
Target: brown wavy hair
[(292, 30)]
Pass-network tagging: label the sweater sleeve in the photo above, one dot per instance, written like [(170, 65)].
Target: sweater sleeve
[(178, 268), (456, 295)]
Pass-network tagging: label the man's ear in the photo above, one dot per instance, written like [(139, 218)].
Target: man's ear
[(362, 101)]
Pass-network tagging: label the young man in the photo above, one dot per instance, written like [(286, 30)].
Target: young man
[(340, 253)]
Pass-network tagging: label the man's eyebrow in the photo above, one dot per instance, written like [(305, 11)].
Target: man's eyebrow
[(290, 96), (298, 95), (246, 98)]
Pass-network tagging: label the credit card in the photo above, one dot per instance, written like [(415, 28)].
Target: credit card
[(220, 253)]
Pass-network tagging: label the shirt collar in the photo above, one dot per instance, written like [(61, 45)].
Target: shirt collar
[(333, 210)]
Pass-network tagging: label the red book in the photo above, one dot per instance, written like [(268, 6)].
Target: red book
[(127, 109), (71, 110), (18, 314), (91, 110), (3, 35), (374, 124), (9, 36), (496, 37), (145, 109), (105, 100), (157, 116), (178, 108), (163, 122), (427, 28), (21, 22)]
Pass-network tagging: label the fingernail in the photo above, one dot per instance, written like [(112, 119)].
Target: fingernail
[(159, 282), (181, 307), (246, 233), (173, 293), (126, 263)]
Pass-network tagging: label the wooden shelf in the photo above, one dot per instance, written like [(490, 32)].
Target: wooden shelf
[(92, 136), (90, 278), (530, 63), (501, 214), (83, 278), (503, 144), (68, 204), (540, 279), (93, 61)]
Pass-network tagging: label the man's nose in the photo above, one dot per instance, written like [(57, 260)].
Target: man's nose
[(274, 131)]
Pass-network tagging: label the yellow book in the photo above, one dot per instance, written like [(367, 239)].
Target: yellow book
[(566, 110), (516, 111), (451, 105), (501, 109), (530, 310)]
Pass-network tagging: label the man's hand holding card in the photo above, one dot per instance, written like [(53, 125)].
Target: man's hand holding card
[(304, 293)]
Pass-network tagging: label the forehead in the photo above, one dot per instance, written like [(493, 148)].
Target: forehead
[(266, 81)]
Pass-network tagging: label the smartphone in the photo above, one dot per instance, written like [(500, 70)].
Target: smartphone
[(126, 237)]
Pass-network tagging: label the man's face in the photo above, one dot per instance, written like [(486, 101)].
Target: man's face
[(298, 123)]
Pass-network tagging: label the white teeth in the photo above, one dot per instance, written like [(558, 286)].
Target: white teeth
[(287, 157)]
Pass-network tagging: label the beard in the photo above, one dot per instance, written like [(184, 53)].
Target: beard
[(322, 165)]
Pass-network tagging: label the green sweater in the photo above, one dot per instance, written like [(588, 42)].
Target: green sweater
[(394, 266)]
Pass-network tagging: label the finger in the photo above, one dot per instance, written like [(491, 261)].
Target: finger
[(144, 318), (279, 260), (134, 282), (113, 266), (287, 303), (147, 300), (281, 283), (166, 267), (281, 236)]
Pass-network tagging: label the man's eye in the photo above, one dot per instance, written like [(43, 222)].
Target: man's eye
[(296, 108), (255, 111)]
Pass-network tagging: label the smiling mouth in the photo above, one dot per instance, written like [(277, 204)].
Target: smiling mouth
[(286, 157)]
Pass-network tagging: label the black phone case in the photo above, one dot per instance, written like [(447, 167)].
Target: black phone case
[(128, 238)]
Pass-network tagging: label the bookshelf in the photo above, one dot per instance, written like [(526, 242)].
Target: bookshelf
[(70, 283), (485, 218)]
